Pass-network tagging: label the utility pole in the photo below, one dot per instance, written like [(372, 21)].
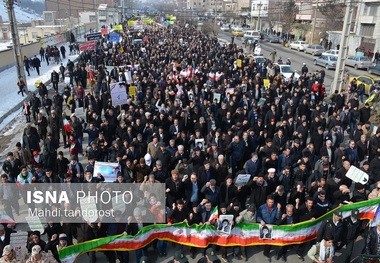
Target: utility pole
[(16, 43), (339, 72), (258, 26), (96, 9), (250, 13), (314, 22)]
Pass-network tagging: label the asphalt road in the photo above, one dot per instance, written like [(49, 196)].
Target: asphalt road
[(297, 58)]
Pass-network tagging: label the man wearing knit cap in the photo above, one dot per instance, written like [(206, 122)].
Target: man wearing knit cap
[(62, 241)]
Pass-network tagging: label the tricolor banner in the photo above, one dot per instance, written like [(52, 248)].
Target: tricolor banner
[(202, 236)]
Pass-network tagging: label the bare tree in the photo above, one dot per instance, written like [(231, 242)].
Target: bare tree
[(210, 28), (333, 14), (288, 15)]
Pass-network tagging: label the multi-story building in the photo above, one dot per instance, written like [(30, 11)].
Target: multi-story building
[(68, 7), (108, 15), (367, 25)]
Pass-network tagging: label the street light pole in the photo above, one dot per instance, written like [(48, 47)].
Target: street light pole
[(16, 42)]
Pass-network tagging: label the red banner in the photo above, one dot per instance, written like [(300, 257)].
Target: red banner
[(87, 46), (104, 31)]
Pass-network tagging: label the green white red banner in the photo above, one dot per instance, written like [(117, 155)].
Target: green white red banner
[(202, 236)]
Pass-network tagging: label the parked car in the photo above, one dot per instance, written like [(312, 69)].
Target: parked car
[(374, 69), (237, 32), (315, 50), (225, 28), (332, 52), (367, 80), (252, 35), (298, 45), (272, 38), (287, 71), (357, 62), (327, 61)]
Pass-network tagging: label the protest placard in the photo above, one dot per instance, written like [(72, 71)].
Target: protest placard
[(108, 170), (357, 175), (242, 179), (118, 94)]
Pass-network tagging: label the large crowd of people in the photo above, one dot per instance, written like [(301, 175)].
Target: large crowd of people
[(197, 116)]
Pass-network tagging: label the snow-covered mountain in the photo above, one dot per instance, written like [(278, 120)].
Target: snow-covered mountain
[(23, 14)]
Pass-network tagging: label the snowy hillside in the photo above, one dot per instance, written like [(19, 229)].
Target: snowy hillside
[(22, 15)]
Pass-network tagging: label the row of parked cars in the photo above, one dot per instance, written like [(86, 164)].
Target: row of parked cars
[(328, 59)]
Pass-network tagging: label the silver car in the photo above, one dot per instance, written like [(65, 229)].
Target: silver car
[(357, 62), (329, 62), (315, 50)]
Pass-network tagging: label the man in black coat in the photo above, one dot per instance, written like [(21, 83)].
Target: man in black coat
[(174, 188), (372, 242), (334, 227), (12, 167), (54, 78), (37, 64), (5, 236), (206, 173), (36, 104), (134, 225)]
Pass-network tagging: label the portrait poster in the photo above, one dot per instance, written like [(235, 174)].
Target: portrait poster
[(225, 224), (265, 232)]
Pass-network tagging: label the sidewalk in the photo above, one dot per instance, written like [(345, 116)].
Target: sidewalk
[(11, 101)]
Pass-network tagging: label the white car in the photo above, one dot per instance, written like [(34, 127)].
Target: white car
[(225, 28), (298, 45), (287, 71), (331, 52)]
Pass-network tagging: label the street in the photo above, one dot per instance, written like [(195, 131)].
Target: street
[(297, 58)]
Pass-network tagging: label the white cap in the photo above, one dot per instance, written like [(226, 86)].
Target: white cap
[(271, 170), (148, 159)]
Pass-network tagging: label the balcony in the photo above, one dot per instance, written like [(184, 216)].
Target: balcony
[(368, 19)]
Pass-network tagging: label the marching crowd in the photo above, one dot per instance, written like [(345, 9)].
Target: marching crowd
[(197, 116)]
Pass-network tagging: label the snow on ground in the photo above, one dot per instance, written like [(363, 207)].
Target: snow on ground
[(4, 131), (9, 89), (16, 125), (22, 15)]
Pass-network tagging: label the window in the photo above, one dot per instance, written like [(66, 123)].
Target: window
[(373, 10), (367, 30), (102, 12), (92, 18), (48, 17), (34, 35), (265, 7)]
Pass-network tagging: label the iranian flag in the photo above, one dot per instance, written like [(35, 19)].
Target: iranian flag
[(204, 235), (214, 215), (67, 126)]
